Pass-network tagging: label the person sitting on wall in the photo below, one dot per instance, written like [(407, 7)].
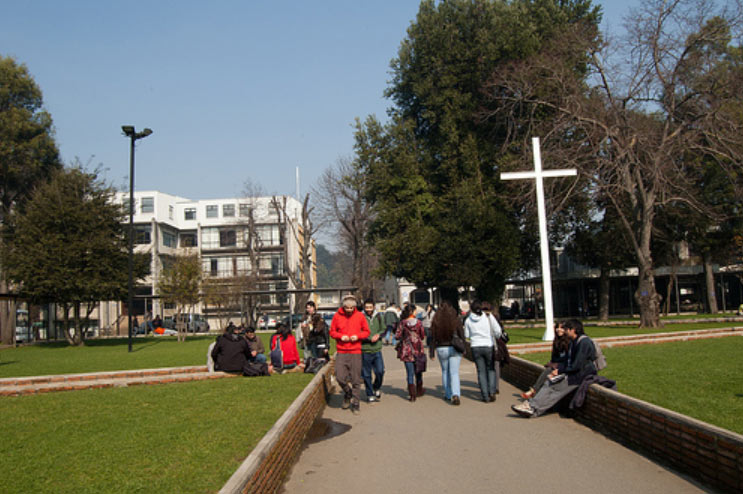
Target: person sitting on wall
[(257, 349), (560, 349), (567, 378), (283, 342), (231, 353)]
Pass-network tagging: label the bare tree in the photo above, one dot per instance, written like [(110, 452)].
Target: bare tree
[(180, 284), (348, 215), (640, 121), (303, 232)]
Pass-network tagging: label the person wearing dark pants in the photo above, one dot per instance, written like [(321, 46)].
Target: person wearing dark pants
[(371, 353), (349, 328)]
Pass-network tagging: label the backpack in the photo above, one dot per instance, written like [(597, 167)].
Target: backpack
[(277, 356), (599, 360), (314, 365)]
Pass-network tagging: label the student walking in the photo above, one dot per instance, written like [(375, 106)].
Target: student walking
[(446, 335), (371, 353), (349, 328), (410, 350), (482, 335), (391, 318)]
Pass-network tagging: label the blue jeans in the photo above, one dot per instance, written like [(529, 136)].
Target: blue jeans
[(413, 377), (449, 359), (372, 362), (483, 357), (389, 336), (260, 358)]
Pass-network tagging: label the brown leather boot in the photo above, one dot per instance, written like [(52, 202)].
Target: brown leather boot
[(419, 388), (411, 392)]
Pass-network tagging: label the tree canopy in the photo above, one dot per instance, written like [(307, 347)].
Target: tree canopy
[(442, 218), (67, 245)]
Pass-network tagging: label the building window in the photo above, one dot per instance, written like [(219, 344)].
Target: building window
[(142, 234), (188, 240), (212, 211), (209, 238), (169, 239), (214, 267), (227, 238), (271, 264), (268, 234), (228, 210), (189, 213), (148, 204), (244, 209), (171, 210)]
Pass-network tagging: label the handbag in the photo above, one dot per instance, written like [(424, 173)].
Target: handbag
[(277, 356), (420, 362), (458, 343)]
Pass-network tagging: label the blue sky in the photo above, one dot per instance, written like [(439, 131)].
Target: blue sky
[(233, 90)]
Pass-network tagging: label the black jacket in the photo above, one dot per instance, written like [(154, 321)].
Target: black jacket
[(580, 361), (231, 352), (320, 333)]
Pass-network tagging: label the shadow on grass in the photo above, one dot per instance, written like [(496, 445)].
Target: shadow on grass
[(137, 343), (8, 362)]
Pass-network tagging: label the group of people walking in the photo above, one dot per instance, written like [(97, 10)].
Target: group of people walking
[(361, 335)]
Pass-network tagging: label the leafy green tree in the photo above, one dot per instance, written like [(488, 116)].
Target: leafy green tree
[(28, 155), (180, 284), (442, 217), (67, 245)]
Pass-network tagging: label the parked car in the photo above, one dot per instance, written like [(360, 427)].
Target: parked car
[(267, 322), (195, 323)]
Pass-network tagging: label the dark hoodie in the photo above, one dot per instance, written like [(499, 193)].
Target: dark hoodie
[(231, 352)]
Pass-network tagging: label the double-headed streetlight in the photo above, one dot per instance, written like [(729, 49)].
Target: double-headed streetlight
[(129, 132)]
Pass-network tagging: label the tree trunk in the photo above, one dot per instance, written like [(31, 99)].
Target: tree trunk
[(604, 285), (709, 281), (7, 316), (66, 324), (647, 298)]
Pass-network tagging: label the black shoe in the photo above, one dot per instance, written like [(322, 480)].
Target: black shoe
[(455, 400), (492, 397)]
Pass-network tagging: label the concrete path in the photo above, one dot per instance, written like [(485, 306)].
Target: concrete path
[(431, 446)]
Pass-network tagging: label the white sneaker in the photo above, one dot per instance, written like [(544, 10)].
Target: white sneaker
[(378, 394), (372, 399), (524, 409)]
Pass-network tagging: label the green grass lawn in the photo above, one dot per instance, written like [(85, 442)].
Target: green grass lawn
[(184, 437), (108, 355), (700, 378), (534, 335)]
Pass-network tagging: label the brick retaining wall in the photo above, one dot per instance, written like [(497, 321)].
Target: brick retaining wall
[(263, 471), (710, 454)]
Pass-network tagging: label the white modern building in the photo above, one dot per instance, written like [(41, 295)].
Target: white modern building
[(219, 231)]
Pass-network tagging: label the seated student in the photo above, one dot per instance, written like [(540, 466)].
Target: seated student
[(231, 352), (284, 340), (560, 348), (257, 349), (578, 367)]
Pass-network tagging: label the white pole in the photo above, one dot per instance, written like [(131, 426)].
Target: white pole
[(549, 332)]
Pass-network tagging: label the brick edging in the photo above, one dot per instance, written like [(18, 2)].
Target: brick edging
[(264, 469), (707, 453)]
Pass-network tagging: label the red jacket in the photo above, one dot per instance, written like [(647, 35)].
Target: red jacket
[(288, 348), (344, 325)]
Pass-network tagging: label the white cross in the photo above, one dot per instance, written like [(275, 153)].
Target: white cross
[(538, 174)]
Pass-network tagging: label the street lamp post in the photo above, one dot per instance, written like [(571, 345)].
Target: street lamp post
[(129, 132)]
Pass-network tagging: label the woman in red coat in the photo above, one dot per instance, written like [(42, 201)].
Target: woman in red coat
[(285, 339)]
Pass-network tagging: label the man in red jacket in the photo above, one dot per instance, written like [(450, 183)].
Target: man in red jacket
[(348, 328)]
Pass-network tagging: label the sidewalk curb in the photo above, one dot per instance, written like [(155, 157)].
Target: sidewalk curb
[(264, 469)]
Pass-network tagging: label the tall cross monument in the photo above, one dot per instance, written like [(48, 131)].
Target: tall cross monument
[(538, 174)]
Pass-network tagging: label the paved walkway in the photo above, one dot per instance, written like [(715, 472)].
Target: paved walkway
[(431, 446)]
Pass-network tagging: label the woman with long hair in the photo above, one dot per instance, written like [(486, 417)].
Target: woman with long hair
[(444, 326), (560, 349), (410, 351), (284, 340)]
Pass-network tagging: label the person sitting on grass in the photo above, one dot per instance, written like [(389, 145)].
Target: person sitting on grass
[(257, 349), (283, 340), (560, 348), (578, 367), (231, 353)]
